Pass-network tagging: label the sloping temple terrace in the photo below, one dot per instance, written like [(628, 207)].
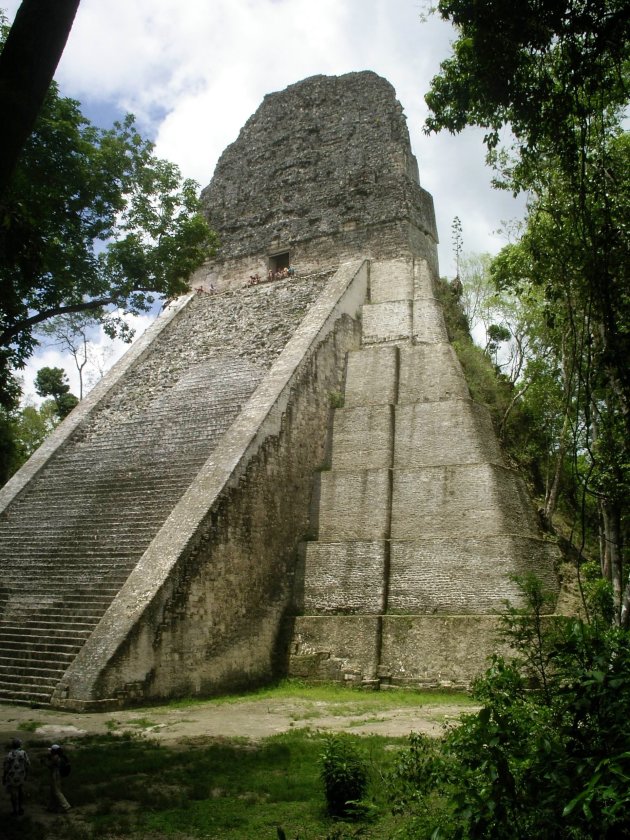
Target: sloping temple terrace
[(286, 474)]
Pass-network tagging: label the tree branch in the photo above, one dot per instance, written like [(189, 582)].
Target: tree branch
[(27, 65), (9, 334)]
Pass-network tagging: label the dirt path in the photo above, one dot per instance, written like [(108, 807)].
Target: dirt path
[(252, 719)]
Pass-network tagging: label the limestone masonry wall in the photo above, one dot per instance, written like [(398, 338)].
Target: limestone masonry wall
[(80, 515), (201, 611), (286, 476), (421, 527), (308, 174)]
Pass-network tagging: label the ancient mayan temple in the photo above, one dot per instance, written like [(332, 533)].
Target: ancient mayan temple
[(280, 477)]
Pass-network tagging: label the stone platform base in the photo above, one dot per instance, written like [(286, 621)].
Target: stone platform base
[(437, 651)]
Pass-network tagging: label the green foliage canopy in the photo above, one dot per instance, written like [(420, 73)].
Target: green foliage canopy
[(557, 75), (539, 66), (91, 221), (53, 382), (547, 755)]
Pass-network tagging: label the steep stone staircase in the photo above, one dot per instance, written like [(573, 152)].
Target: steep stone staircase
[(70, 539), (421, 523)]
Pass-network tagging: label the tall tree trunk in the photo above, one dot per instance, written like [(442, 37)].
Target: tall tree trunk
[(27, 65), (568, 367), (624, 618), (611, 521), (551, 497)]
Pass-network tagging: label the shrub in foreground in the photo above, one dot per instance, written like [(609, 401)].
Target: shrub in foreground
[(345, 776)]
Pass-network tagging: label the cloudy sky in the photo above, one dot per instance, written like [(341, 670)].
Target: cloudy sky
[(193, 72)]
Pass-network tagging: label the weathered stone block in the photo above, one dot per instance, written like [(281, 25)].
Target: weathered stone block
[(444, 433), (312, 164), (335, 647), (391, 280), (422, 279), (438, 650), (354, 505), (344, 578), (465, 575), (430, 373), (371, 376), (457, 501), (390, 321), (363, 435), (428, 321)]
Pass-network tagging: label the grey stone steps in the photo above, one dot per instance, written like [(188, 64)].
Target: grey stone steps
[(50, 595), (56, 589), (151, 485), (101, 561), (29, 647), (150, 466), (66, 624), (119, 540), (33, 672), (20, 681), (25, 697), (32, 633), (101, 570), (73, 537), (11, 658), (9, 626), (118, 567), (139, 521), (112, 534), (74, 566), (23, 613)]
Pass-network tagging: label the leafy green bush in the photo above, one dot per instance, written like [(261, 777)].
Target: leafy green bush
[(550, 762), (345, 776)]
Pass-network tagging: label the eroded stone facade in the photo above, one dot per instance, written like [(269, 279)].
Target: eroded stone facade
[(280, 477), (323, 170)]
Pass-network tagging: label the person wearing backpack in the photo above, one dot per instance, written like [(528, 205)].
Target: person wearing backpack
[(14, 772), (59, 766)]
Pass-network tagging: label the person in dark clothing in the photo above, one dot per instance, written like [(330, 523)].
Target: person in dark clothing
[(14, 772)]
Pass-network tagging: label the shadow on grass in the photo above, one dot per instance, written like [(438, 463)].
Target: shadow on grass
[(125, 786)]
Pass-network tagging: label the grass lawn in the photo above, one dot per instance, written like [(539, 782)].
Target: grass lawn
[(125, 786)]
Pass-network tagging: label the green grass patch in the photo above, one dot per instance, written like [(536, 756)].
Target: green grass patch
[(29, 725), (142, 723), (125, 787), (293, 689)]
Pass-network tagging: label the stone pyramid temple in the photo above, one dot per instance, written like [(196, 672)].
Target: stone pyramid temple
[(285, 475)]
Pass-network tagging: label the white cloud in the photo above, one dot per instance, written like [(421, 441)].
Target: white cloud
[(102, 354), (194, 72)]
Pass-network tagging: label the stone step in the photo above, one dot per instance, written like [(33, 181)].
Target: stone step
[(25, 696), (7, 625), (98, 597), (9, 660), (46, 546), (363, 435), (29, 649), (354, 505), (39, 575), (33, 634), (34, 672), (20, 681), (54, 618), (140, 522)]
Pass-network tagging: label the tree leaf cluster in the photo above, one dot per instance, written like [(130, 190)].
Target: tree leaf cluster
[(547, 755), (91, 221), (552, 78), (344, 773), (537, 66)]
